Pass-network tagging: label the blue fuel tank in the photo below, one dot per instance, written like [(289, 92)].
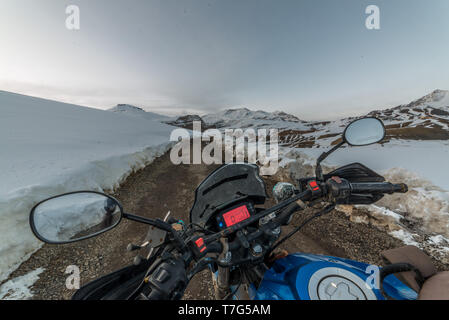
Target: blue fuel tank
[(315, 277)]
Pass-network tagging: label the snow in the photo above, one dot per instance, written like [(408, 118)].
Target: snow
[(134, 111), (50, 148), (406, 237), (384, 211), (437, 99), (439, 240), (20, 288), (419, 112)]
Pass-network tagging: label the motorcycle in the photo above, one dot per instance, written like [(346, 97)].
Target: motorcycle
[(238, 241)]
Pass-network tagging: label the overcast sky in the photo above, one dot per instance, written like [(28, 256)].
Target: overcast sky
[(314, 59)]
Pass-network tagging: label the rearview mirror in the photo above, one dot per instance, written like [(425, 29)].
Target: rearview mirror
[(364, 131), (360, 132), (74, 216)]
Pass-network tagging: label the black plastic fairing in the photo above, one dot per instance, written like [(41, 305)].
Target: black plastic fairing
[(229, 184), (355, 172), (118, 285)]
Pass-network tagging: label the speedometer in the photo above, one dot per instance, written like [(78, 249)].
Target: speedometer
[(234, 215)]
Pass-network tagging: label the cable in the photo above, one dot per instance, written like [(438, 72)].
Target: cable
[(200, 228), (200, 266), (327, 209)]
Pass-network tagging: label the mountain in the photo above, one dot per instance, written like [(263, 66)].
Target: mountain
[(426, 118), (245, 118), (131, 110), (187, 122)]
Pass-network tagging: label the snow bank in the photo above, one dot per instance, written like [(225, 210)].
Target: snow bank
[(424, 203), (19, 288), (50, 147)]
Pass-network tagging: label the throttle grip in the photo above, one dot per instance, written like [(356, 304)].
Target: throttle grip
[(378, 187)]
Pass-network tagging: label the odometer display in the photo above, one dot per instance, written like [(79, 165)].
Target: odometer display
[(236, 215)]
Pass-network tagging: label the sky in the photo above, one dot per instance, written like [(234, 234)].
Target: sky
[(312, 58)]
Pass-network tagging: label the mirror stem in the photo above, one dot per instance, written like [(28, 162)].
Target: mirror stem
[(324, 155), (158, 224)]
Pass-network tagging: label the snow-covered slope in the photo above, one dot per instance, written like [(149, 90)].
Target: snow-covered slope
[(50, 147)]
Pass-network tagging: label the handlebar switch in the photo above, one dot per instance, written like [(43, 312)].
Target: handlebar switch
[(338, 188), (314, 187), (198, 246), (168, 281)]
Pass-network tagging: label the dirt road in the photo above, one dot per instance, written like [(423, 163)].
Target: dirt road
[(161, 187)]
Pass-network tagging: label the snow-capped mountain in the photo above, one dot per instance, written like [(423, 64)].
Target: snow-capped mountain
[(245, 118), (239, 118), (187, 122), (131, 110), (426, 118), (430, 111)]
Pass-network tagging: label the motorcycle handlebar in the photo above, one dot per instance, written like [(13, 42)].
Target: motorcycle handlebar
[(359, 187), (378, 187), (181, 279)]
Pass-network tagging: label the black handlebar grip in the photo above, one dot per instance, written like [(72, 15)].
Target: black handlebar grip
[(378, 187)]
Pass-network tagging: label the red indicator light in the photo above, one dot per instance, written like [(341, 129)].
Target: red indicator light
[(236, 215)]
